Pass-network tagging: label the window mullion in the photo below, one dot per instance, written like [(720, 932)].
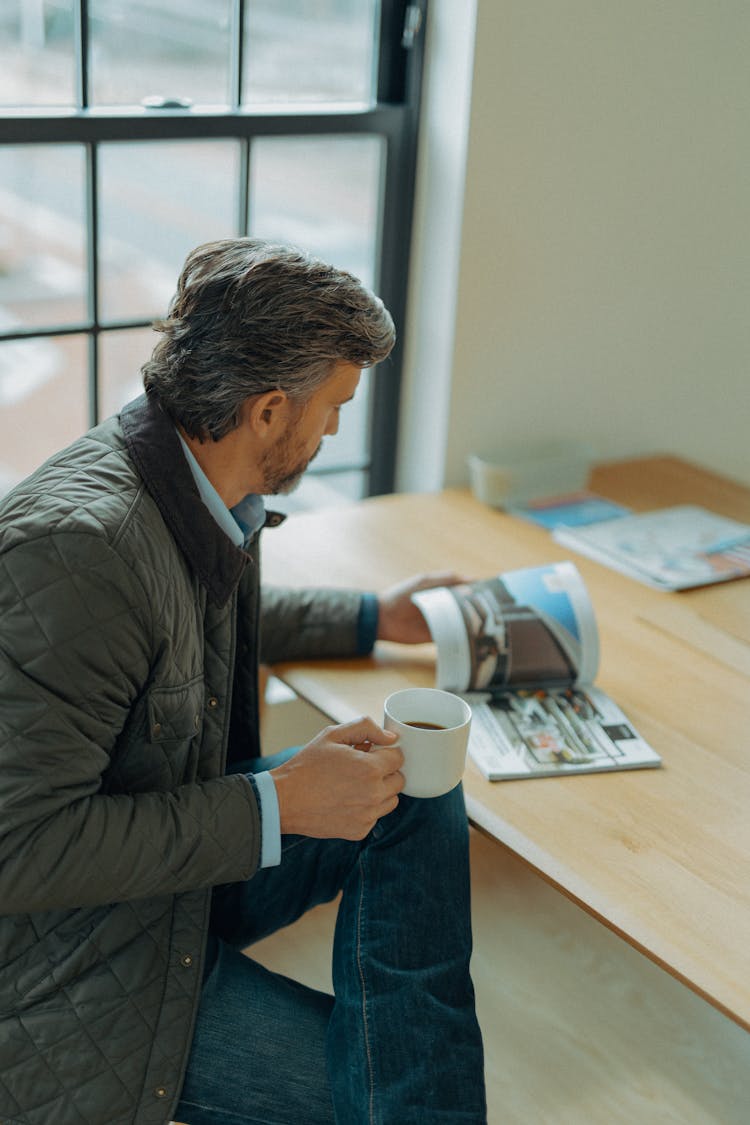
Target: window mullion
[(235, 95), (81, 34), (243, 191), (237, 48), (92, 274)]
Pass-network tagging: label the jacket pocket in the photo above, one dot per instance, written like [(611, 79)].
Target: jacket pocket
[(175, 713)]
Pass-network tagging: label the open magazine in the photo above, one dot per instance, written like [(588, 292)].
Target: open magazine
[(523, 649)]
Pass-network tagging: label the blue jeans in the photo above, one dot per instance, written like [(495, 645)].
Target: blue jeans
[(399, 1043)]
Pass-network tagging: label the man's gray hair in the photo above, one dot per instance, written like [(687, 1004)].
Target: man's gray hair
[(251, 316)]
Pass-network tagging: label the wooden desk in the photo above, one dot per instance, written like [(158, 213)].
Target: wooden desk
[(662, 857)]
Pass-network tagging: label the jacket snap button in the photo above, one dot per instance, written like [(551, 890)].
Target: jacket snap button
[(213, 702), (156, 728), (160, 1092), (187, 960)]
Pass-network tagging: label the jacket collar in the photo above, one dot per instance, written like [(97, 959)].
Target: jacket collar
[(154, 446)]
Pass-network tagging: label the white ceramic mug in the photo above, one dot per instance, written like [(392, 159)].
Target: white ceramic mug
[(434, 753)]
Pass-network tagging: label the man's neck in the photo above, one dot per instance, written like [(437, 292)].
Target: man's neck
[(228, 464)]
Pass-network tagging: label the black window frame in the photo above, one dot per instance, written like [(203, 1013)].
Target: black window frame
[(394, 117)]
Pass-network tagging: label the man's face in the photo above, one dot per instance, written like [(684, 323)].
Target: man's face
[(286, 462)]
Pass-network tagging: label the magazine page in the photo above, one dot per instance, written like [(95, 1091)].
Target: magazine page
[(525, 628), (553, 733), (671, 548)]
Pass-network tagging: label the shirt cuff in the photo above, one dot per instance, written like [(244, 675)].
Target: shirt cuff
[(367, 624), (270, 821)]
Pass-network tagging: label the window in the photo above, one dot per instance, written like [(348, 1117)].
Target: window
[(132, 130)]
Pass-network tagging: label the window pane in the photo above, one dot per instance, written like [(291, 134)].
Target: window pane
[(37, 64), (43, 401), (42, 241), (333, 211), (159, 49), (310, 51), (322, 193), (121, 356), (157, 201)]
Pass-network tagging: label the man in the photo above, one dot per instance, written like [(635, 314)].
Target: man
[(142, 843)]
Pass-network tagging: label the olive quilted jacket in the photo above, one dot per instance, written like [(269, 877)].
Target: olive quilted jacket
[(130, 633)]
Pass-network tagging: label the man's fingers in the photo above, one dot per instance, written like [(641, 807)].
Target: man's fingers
[(390, 757), (388, 806), (439, 578), (362, 733), (332, 789)]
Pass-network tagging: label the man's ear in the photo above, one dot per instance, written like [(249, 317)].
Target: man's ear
[(267, 414)]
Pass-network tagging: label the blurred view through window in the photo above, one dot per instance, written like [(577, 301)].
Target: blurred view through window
[(160, 124)]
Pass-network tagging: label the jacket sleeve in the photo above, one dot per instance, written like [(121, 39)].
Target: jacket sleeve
[(75, 654), (299, 624)]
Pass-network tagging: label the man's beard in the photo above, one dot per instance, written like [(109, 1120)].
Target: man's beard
[(283, 468)]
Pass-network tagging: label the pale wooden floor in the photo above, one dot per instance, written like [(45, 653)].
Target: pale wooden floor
[(579, 1028)]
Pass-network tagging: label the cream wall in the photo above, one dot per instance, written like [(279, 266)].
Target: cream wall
[(585, 273)]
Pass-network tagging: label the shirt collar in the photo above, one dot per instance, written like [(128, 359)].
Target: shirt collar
[(242, 521)]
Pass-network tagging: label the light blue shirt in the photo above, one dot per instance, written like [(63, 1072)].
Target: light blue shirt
[(240, 523)]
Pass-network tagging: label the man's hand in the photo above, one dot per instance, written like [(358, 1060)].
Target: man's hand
[(398, 617), (340, 784)]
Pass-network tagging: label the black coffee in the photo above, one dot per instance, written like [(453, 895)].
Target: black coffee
[(426, 726)]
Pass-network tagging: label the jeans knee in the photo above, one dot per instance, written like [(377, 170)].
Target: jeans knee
[(450, 807), (444, 817)]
